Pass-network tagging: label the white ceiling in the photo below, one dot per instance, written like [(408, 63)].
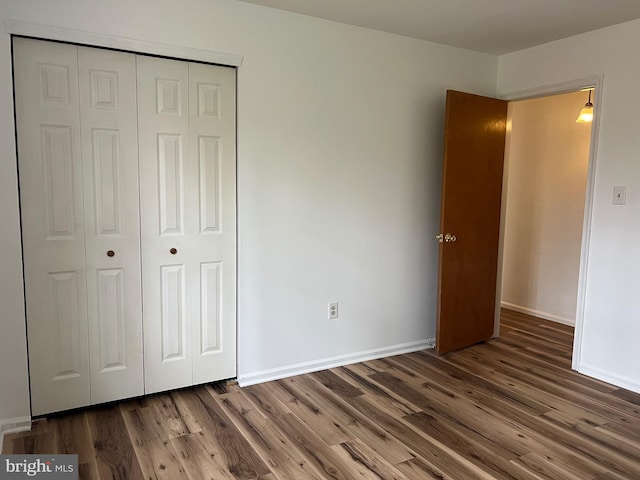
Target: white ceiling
[(492, 26)]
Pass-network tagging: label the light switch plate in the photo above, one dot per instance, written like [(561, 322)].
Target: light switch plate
[(619, 195)]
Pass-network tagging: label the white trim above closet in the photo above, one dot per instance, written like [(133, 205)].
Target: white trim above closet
[(49, 32)]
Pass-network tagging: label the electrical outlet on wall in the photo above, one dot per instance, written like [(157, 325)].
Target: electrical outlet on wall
[(333, 310)]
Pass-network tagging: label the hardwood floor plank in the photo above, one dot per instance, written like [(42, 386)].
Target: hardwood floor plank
[(612, 442), (115, 457), (608, 476), (379, 440), (525, 347), (378, 365), (627, 396), (321, 456), (42, 442), (336, 384), (512, 412), (544, 468), (313, 415), (546, 336), (13, 446), (170, 415), (561, 439), (509, 408), (28, 442), (240, 457), (263, 397), (536, 325), (418, 468), (200, 458), (515, 391), (447, 374), (535, 341), (191, 422), (328, 463), (508, 317), (431, 452), (483, 454), (625, 431), (559, 372), (387, 399), (73, 438), (278, 452), (364, 368), (434, 400), (506, 425), (367, 463), (135, 403), (595, 401), (156, 456)]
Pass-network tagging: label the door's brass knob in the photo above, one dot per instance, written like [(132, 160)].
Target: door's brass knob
[(110, 253), (173, 251), (449, 238)]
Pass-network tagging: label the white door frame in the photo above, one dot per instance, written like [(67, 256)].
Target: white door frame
[(544, 91)]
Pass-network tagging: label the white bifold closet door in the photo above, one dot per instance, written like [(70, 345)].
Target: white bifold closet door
[(128, 205), (78, 168), (186, 115)]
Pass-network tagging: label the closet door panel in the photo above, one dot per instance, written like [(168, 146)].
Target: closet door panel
[(165, 165), (212, 184), (112, 224), (50, 170)]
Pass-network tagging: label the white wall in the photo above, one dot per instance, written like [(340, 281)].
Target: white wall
[(14, 387), (611, 330), (339, 170), (548, 158)]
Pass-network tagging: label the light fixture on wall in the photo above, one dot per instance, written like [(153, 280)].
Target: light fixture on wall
[(586, 114)]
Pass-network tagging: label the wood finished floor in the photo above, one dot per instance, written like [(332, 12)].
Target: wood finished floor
[(508, 408)]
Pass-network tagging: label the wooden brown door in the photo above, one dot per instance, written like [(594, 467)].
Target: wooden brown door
[(475, 129)]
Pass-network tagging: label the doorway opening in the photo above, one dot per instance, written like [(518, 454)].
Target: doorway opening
[(545, 197)]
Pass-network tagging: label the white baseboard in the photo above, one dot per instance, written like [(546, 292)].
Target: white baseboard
[(538, 313), (608, 377), (247, 379), (13, 425)]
